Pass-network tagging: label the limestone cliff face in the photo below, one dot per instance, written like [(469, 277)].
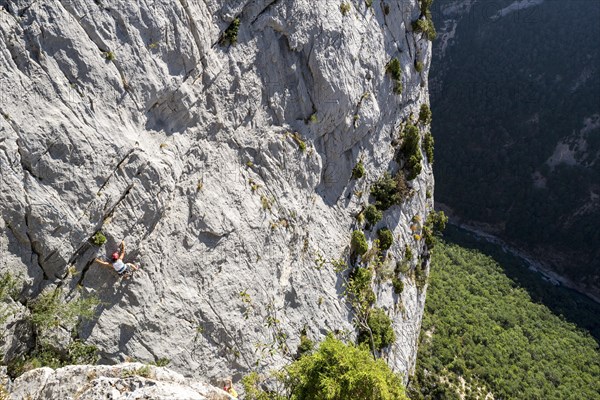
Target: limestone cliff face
[(138, 120)]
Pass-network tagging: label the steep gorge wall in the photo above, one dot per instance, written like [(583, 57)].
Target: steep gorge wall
[(131, 119)]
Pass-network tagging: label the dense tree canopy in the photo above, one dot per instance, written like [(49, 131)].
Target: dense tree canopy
[(481, 326)]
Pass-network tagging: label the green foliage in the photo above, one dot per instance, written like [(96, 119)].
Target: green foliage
[(425, 23), (306, 345), (428, 146), (336, 371), (419, 67), (381, 328), (482, 326), (230, 35), (98, 239), (425, 26), (425, 114), (402, 267), (110, 56), (44, 355), (389, 191), (359, 288), (408, 254), (437, 220), (252, 387), (386, 238), (161, 362), (421, 274), (368, 3), (414, 166), (343, 372), (10, 288), (373, 215), (359, 243), (398, 285), (358, 171), (394, 69), (144, 372), (81, 353), (410, 140), (299, 141), (411, 151), (49, 311), (435, 224), (345, 8)]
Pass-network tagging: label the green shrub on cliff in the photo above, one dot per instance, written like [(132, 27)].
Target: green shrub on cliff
[(336, 371), (359, 243), (389, 191), (386, 238), (230, 35)]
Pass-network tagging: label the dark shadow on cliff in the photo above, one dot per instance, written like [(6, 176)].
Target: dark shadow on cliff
[(567, 303)]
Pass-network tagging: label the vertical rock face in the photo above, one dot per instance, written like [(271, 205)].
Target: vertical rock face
[(225, 168)]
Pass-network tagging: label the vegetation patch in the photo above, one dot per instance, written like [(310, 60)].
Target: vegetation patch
[(481, 326), (411, 151), (110, 56), (372, 215), (425, 22), (98, 239), (398, 285), (230, 35), (144, 372), (306, 345), (380, 328), (359, 243), (299, 141), (389, 191), (394, 69), (425, 114), (358, 171), (386, 238), (336, 371), (345, 8), (49, 311), (419, 67), (428, 147), (435, 224)]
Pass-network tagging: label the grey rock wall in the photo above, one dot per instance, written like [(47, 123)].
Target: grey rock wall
[(131, 119)]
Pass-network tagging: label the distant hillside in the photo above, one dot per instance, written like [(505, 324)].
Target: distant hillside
[(516, 105), (485, 337)]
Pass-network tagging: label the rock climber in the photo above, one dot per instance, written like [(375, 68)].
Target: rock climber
[(228, 387), (123, 269)]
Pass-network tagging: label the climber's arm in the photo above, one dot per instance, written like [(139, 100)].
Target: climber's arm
[(122, 255), (103, 263)]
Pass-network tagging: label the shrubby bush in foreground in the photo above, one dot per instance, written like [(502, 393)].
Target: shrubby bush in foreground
[(336, 371)]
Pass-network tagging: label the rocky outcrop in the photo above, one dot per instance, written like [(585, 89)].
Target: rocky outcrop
[(225, 168), (123, 381)]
